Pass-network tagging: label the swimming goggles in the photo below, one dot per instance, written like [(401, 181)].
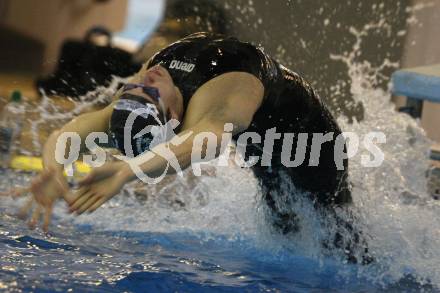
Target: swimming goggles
[(148, 90)]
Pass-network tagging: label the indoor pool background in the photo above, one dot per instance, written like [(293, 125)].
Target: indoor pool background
[(211, 233)]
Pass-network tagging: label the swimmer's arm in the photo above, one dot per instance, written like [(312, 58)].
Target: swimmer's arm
[(83, 125), (229, 98)]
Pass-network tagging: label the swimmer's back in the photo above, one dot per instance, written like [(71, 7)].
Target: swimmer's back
[(290, 103)]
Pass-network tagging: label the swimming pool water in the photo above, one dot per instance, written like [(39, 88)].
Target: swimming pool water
[(80, 256)]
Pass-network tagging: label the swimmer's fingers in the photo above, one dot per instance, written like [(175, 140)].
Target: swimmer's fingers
[(93, 199), (38, 185), (101, 192), (96, 205), (104, 192), (100, 173), (47, 218), (42, 179), (72, 196), (69, 197), (36, 215), (80, 201)]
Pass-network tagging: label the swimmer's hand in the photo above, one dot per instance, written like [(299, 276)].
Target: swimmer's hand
[(98, 187), (45, 190)]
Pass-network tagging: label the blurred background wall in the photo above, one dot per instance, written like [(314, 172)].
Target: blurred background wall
[(305, 34), (422, 47), (32, 32)]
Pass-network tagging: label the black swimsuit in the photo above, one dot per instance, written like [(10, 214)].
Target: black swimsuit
[(290, 104)]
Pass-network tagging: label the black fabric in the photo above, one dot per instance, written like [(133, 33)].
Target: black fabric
[(118, 124), (290, 104), (212, 55), (83, 66)]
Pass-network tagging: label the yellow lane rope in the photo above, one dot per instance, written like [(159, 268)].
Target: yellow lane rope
[(29, 164)]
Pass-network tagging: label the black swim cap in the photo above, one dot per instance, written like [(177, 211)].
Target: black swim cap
[(134, 115)]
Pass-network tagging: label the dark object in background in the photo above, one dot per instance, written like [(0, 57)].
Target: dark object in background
[(182, 18), (84, 65), (195, 16)]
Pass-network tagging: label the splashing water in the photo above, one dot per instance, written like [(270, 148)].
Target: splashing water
[(392, 200), (52, 116)]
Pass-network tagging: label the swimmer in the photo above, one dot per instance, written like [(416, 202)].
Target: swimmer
[(205, 81)]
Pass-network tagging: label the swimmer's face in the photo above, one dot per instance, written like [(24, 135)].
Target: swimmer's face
[(158, 77)]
